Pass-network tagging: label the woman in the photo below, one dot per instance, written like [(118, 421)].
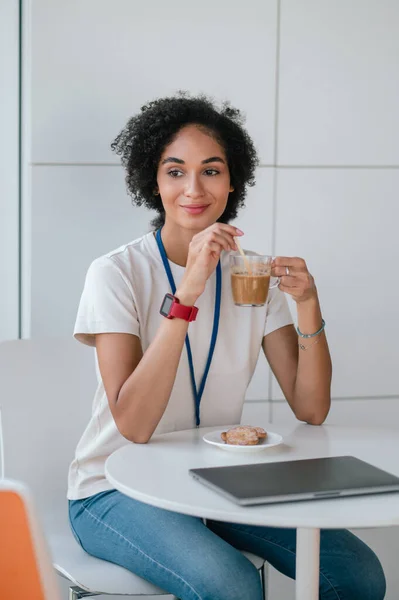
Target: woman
[(192, 163)]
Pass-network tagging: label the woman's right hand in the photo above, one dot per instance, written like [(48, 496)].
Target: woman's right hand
[(203, 256)]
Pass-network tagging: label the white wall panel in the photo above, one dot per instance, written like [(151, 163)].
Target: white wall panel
[(344, 223), (256, 218), (339, 82), (9, 167), (78, 214), (95, 62)]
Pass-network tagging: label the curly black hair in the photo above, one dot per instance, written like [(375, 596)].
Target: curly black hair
[(142, 142)]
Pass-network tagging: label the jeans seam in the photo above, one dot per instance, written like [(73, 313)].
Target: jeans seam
[(279, 545), (141, 551), (75, 535)]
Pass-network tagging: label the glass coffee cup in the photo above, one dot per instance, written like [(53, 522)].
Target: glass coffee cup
[(250, 279)]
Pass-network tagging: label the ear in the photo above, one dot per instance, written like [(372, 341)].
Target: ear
[(231, 189), (156, 192)]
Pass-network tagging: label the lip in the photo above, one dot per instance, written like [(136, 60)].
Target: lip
[(194, 209)]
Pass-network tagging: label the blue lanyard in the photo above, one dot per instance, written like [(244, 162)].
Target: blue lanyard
[(197, 393)]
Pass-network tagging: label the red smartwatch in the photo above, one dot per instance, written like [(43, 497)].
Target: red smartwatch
[(172, 309)]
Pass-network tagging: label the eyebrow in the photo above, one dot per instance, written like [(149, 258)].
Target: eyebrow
[(179, 161)]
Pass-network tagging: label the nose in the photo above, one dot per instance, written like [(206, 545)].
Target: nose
[(194, 188)]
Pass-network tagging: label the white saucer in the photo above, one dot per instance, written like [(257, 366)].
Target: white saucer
[(213, 438)]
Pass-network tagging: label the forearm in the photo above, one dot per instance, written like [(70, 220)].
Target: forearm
[(145, 395), (312, 392)]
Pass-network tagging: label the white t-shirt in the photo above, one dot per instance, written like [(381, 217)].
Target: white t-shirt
[(122, 294)]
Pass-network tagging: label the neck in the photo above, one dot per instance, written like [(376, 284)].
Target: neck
[(176, 241)]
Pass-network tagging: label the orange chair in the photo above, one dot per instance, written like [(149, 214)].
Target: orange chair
[(25, 567)]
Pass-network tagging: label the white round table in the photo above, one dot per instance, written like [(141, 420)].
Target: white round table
[(157, 473)]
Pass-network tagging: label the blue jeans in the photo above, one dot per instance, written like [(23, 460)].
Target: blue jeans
[(194, 561)]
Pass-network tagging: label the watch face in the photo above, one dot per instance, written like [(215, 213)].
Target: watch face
[(166, 305)]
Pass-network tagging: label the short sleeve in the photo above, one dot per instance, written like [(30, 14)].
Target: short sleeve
[(278, 313), (107, 303)]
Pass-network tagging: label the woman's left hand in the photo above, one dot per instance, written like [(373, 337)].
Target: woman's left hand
[(295, 278)]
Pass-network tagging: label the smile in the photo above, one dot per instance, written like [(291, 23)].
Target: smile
[(195, 209)]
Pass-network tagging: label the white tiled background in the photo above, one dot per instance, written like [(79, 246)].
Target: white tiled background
[(319, 81)]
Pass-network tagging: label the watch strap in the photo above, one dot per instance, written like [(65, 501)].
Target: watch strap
[(179, 311)]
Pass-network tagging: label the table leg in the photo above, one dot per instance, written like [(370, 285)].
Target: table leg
[(307, 564)]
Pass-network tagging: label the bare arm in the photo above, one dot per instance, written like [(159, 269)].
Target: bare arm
[(303, 375), (138, 386)]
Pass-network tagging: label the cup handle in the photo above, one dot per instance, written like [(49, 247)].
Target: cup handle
[(275, 284)]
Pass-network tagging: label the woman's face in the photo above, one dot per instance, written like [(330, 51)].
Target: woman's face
[(193, 179)]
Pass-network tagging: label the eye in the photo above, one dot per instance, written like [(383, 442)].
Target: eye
[(211, 172), (175, 173)]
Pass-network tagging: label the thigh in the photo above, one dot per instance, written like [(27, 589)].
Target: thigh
[(349, 569), (174, 551)]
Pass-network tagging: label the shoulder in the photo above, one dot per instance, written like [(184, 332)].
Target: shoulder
[(136, 251), (122, 261)]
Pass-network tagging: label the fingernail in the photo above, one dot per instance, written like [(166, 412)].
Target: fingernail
[(239, 231)]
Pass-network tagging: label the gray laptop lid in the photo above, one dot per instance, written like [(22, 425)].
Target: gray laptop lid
[(287, 481)]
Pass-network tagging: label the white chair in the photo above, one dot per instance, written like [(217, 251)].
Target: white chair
[(25, 566), (46, 391)]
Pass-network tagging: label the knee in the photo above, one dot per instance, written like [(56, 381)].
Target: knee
[(364, 578), (233, 584), (369, 579)]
